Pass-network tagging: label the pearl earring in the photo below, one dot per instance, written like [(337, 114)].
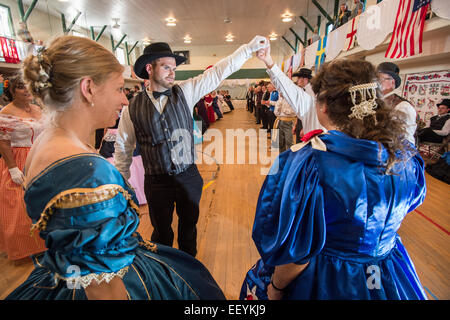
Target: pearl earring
[(92, 104)]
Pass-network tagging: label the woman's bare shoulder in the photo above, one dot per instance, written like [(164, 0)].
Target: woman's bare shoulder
[(46, 150), (6, 110)]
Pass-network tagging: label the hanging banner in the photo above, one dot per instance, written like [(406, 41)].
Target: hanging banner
[(320, 53), (310, 54), (350, 38), (335, 42), (376, 23), (289, 64), (441, 8), (297, 60), (425, 90)]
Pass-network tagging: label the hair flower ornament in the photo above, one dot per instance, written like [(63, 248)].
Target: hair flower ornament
[(44, 77)]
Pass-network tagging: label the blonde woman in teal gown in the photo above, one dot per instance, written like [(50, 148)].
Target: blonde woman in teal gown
[(80, 204)]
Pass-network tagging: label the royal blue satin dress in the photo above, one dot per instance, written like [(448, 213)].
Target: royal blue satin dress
[(337, 210), (88, 215)]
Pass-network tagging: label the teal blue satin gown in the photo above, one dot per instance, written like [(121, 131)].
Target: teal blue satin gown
[(335, 209), (88, 216)]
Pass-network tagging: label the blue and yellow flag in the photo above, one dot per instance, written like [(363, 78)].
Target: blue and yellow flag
[(320, 55)]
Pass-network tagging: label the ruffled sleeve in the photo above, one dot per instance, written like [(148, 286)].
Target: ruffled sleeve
[(289, 223), (89, 227), (6, 128)]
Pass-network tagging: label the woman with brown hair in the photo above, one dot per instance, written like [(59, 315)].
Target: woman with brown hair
[(79, 203), (328, 212), (19, 127)]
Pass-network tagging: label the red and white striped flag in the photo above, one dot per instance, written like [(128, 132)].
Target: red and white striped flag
[(406, 39)]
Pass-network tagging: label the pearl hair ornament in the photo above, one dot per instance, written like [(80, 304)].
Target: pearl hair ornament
[(367, 104)]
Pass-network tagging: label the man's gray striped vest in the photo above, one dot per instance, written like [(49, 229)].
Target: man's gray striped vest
[(165, 140)]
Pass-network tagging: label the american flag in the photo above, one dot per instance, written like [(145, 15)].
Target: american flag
[(406, 39)]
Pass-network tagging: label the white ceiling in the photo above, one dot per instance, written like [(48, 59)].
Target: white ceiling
[(202, 20)]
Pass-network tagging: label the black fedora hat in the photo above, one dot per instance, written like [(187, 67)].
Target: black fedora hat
[(303, 73), (152, 52), (391, 69), (445, 102)]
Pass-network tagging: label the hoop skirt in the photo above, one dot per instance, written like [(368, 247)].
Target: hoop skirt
[(88, 216), (329, 203), (15, 224)]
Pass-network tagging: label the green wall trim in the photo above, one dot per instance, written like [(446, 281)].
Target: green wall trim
[(241, 74)]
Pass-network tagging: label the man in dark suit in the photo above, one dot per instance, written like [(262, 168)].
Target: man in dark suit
[(249, 98), (439, 125)]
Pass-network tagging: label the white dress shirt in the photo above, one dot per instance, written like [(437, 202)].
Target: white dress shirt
[(193, 89), (283, 109), (410, 113), (301, 101), (445, 129)]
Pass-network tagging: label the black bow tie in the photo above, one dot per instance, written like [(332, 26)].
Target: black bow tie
[(157, 94)]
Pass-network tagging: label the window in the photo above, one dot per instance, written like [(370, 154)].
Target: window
[(6, 26), (329, 28), (120, 55)]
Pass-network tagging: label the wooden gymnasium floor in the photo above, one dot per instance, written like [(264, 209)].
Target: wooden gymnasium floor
[(226, 219)]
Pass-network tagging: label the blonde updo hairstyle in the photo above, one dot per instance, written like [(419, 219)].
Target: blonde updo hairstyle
[(54, 75)]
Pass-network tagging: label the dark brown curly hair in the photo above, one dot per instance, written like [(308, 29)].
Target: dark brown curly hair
[(331, 85)]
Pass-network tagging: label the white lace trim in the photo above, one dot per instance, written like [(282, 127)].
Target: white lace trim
[(86, 280)]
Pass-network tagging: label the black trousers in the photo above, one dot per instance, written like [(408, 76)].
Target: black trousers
[(264, 117), (428, 135), (271, 119), (163, 193), (258, 114), (250, 106)]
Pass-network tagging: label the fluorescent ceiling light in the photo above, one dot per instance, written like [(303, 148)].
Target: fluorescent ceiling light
[(286, 17), (171, 22)]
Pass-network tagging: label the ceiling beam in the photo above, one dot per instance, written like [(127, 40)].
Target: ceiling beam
[(319, 20), (306, 37), (297, 37), (66, 29), (24, 15), (290, 45), (114, 47), (322, 11), (336, 9), (99, 34), (307, 23), (129, 51)]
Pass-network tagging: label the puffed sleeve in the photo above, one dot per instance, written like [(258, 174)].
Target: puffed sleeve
[(417, 188), (89, 235), (289, 223)]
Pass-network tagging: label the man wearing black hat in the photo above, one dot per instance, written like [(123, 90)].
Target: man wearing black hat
[(299, 96), (388, 76), (439, 125), (160, 120), (303, 76)]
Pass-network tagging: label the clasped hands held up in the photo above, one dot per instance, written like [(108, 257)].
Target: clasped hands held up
[(261, 46)]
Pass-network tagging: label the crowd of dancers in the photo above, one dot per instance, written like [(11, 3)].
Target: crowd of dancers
[(326, 220)]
